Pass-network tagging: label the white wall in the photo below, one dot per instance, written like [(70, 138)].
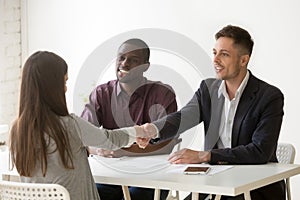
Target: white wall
[(10, 62), (74, 29)]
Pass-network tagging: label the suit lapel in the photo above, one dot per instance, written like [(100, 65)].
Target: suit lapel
[(212, 135), (245, 103)]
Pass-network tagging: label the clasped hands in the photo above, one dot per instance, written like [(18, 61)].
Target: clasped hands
[(144, 134)]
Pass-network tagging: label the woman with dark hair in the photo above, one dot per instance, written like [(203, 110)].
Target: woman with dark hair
[(47, 144)]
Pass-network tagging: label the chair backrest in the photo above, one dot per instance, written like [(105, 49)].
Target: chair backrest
[(32, 191), (285, 153)]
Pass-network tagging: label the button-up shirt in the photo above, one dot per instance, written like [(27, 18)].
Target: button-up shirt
[(229, 110), (109, 106)]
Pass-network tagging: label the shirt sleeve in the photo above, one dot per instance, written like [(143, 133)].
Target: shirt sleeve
[(157, 131), (90, 110), (169, 102), (132, 135), (166, 103), (102, 138)]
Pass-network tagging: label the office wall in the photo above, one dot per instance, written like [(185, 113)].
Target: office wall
[(10, 60), (75, 29)]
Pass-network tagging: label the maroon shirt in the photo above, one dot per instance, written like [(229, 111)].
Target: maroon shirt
[(112, 108)]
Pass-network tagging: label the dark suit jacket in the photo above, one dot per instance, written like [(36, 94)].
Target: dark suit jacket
[(255, 131)]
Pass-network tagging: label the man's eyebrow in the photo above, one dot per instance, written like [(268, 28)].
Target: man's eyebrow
[(132, 56), (222, 50)]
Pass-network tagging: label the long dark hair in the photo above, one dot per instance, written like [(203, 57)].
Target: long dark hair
[(42, 103)]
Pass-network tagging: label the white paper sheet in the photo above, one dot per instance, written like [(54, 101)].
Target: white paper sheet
[(143, 164), (148, 164)]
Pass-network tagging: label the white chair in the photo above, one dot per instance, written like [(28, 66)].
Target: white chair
[(286, 154), (32, 191)]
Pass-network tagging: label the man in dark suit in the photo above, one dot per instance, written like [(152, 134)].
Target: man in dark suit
[(242, 114)]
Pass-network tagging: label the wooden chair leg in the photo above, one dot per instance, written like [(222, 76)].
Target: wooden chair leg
[(157, 194), (247, 196), (218, 197), (195, 196), (126, 192)]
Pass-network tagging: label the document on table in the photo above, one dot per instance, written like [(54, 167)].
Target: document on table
[(148, 164), (143, 164)]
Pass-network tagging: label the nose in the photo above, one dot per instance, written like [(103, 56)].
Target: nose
[(124, 63), (216, 58)]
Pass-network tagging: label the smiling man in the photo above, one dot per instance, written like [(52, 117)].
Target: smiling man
[(242, 114), (130, 100)]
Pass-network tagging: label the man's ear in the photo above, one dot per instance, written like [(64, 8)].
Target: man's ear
[(244, 60)]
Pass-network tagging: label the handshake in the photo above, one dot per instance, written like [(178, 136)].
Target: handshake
[(144, 134)]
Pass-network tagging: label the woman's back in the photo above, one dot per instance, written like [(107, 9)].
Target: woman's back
[(47, 144), (78, 181)]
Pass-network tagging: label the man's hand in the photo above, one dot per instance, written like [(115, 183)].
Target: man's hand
[(105, 153), (101, 152), (142, 142), (146, 131), (144, 134), (186, 156)]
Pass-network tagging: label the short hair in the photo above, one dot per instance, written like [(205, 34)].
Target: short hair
[(240, 37), (141, 45)]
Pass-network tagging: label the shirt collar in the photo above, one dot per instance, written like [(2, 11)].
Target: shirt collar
[(119, 89), (137, 91), (222, 88)]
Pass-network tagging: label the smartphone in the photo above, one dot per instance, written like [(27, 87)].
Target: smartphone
[(196, 170)]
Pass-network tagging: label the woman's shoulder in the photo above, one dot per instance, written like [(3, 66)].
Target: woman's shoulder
[(70, 120), (73, 119)]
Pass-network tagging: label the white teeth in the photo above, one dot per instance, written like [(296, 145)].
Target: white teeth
[(124, 71), (218, 68)]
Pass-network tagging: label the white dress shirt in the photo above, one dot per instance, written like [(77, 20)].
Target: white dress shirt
[(228, 113)]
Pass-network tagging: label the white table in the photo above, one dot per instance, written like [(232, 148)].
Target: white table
[(240, 179)]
